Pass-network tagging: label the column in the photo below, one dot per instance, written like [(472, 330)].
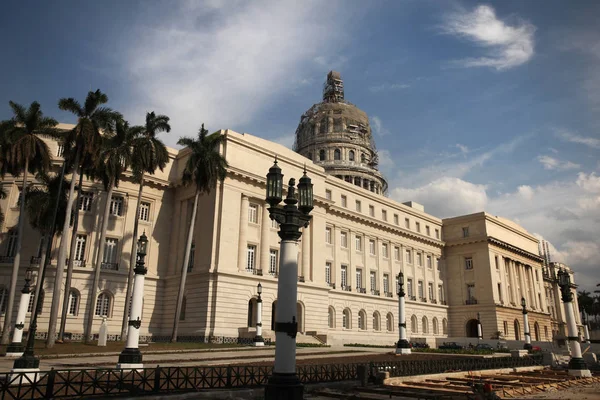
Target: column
[(306, 253), (243, 237), (513, 275), (15, 349), (527, 345), (534, 292), (402, 347), (436, 280), (265, 230), (577, 367), (258, 339)]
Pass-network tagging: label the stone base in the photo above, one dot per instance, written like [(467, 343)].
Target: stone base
[(21, 376), (284, 387), (518, 353), (401, 350), (258, 341), (583, 373), (258, 344), (128, 367), (13, 355)]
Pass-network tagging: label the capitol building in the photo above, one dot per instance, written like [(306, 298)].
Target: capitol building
[(349, 256)]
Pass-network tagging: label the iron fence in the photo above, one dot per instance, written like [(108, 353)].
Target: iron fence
[(88, 383)]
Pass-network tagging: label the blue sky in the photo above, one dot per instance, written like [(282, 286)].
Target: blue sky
[(475, 106)]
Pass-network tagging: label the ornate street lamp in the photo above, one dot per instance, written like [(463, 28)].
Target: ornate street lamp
[(577, 367), (16, 348), (402, 347), (284, 383), (130, 357), (527, 345), (258, 339), (479, 330)]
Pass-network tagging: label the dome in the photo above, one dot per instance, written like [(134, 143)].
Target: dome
[(336, 135)]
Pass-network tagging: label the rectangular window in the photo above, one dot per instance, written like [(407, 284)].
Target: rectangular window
[(253, 213), (372, 247), (465, 231), (419, 259), (273, 262), (358, 206), (60, 151), (110, 250), (80, 247), (421, 293), (73, 300), (437, 233), (384, 215), (358, 243), (440, 293), (251, 258), (116, 206), (437, 264), (396, 253), (429, 265), (384, 250), (344, 271), (11, 248), (144, 211), (344, 239), (427, 231), (537, 278), (396, 220), (409, 287), (373, 281), (359, 278), (408, 257), (468, 263), (344, 201), (328, 235), (328, 194), (430, 290), (497, 264), (372, 211), (190, 266), (85, 201), (418, 226), (500, 292), (328, 273), (471, 291), (406, 223), (386, 283)]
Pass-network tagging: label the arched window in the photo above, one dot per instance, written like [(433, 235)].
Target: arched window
[(435, 326), (73, 302), (321, 155), (347, 319), (31, 300), (351, 155), (362, 320), (331, 317), (337, 154), (425, 324), (536, 331), (389, 321), (376, 318), (252, 309), (183, 308), (444, 326), (517, 330), (413, 324), (103, 305), (363, 158)]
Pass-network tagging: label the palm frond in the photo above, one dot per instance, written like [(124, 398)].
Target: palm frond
[(71, 105)]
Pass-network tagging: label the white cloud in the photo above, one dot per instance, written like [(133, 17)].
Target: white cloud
[(552, 163), (464, 149), (285, 140), (574, 138), (388, 87), (509, 45), (222, 63), (378, 127), (525, 191), (589, 182), (386, 162)]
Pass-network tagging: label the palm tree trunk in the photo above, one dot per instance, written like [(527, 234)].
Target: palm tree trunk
[(15, 271), (62, 255), (98, 266), (38, 286), (132, 260), (66, 298), (186, 260)]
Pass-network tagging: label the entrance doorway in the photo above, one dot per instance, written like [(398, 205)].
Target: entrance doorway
[(471, 328)]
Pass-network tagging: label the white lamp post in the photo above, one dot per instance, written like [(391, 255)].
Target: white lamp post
[(130, 357), (577, 367), (527, 345), (479, 330), (16, 348), (586, 332), (284, 383), (258, 339), (402, 347)]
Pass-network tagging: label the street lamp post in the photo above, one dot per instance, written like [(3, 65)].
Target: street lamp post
[(402, 347), (586, 331), (577, 367), (130, 357), (527, 345), (258, 339), (284, 383), (16, 348), (479, 330)]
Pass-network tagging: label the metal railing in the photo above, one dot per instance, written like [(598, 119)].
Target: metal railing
[(111, 266), (88, 383), (470, 301)]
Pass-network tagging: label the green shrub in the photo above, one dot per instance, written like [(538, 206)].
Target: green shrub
[(382, 346)]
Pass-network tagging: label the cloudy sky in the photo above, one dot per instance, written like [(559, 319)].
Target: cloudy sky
[(476, 106)]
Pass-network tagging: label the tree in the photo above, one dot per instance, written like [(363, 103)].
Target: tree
[(24, 151), (84, 139), (2, 197), (113, 159), (585, 301), (149, 154), (204, 167)]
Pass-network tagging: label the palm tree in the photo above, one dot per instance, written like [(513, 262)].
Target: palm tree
[(41, 204), (149, 153), (84, 139), (25, 152), (113, 159), (205, 167), (2, 197), (585, 301)]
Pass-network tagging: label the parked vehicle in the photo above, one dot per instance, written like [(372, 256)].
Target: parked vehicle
[(484, 346), (419, 345), (451, 346)]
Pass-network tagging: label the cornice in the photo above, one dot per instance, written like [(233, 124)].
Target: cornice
[(514, 249)]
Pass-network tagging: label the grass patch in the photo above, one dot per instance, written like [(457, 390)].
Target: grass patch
[(455, 351), (379, 346)]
